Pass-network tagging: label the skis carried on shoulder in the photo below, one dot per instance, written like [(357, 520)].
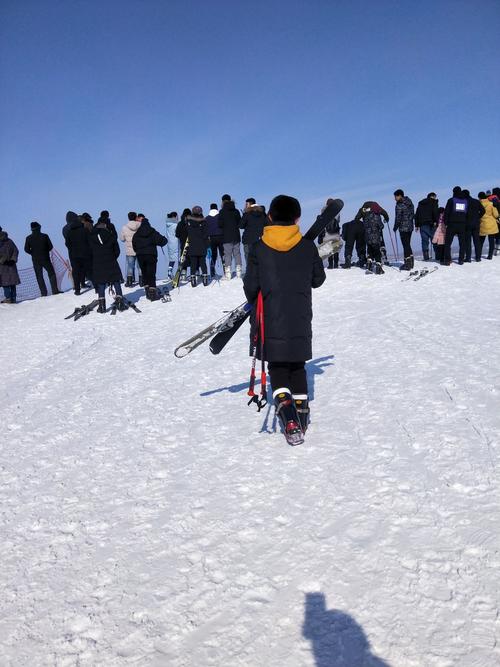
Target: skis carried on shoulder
[(225, 323)]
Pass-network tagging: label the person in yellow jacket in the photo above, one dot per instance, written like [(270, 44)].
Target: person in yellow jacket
[(489, 224)]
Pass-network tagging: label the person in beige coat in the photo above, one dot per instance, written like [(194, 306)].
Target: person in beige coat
[(489, 225), (127, 234)]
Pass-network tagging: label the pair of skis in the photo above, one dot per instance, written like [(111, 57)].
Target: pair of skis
[(418, 275), (81, 311)]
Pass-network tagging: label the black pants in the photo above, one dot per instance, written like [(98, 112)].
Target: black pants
[(78, 268), (198, 262), (216, 246), (373, 252), (333, 260), (406, 243), (46, 264), (472, 235), (454, 229), (291, 374), (439, 252), (491, 245), (359, 239), (148, 269)]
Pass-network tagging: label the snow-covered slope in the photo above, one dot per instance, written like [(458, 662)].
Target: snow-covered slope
[(149, 517)]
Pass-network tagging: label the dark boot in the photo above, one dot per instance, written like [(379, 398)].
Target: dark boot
[(378, 268), (101, 308), (406, 264), (154, 295), (369, 265), (361, 261), (120, 305), (302, 406), (336, 260), (129, 281), (426, 255), (141, 281), (330, 262), (204, 278), (287, 414), (193, 280), (347, 262), (412, 262)]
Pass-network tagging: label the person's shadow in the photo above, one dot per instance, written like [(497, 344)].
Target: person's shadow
[(336, 639)]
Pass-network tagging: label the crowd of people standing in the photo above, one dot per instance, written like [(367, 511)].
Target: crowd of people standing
[(195, 241)]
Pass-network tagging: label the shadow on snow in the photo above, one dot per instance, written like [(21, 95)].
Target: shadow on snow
[(336, 639)]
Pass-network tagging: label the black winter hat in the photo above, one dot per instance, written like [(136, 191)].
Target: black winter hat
[(172, 214), (36, 225), (197, 210), (399, 193), (285, 209), (457, 191), (482, 195), (104, 215), (226, 197), (466, 193), (71, 216)]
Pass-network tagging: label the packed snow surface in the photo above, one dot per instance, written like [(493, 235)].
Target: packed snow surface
[(149, 517)]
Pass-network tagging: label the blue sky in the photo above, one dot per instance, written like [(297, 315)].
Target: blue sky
[(155, 105)]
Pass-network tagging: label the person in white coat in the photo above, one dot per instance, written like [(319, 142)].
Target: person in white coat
[(127, 234)]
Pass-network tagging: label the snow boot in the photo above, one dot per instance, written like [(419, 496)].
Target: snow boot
[(426, 255), (170, 272), (101, 308), (120, 305), (193, 280), (361, 262), (330, 262), (204, 279), (153, 294), (227, 273), (412, 262), (347, 262), (302, 406), (287, 413), (370, 265), (406, 264), (378, 269), (238, 271), (183, 276), (6, 300), (129, 282)]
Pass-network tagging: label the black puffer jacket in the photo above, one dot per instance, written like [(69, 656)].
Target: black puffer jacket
[(229, 222), (77, 238), (38, 245), (405, 213), (456, 211), (105, 252), (197, 230), (371, 214), (146, 239), (475, 212), (285, 277), (427, 212), (252, 223)]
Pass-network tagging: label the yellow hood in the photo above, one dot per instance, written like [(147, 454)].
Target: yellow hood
[(280, 237)]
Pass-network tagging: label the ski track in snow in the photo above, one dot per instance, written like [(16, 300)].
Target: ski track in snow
[(149, 517)]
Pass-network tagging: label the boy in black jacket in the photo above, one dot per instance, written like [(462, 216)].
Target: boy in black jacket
[(284, 267), (144, 243)]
